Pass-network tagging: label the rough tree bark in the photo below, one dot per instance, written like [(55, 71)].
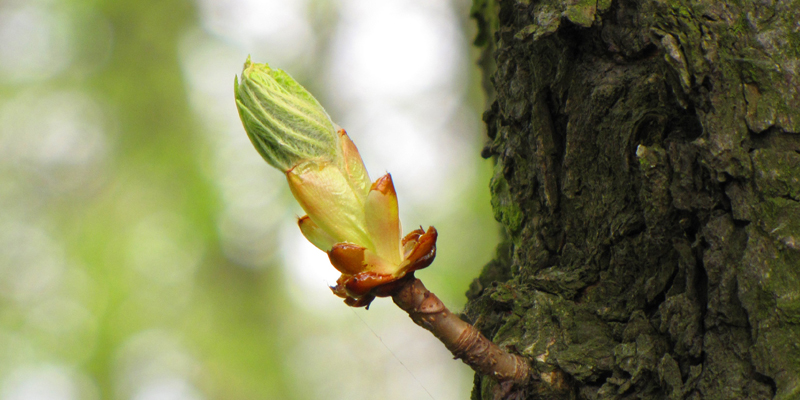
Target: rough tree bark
[(648, 180)]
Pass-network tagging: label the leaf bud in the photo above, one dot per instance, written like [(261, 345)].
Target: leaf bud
[(285, 123)]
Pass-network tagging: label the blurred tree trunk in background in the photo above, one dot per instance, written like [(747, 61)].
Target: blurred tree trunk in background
[(648, 180)]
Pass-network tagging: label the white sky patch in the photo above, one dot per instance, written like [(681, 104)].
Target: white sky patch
[(394, 49), (47, 382), (276, 28), (34, 42), (170, 388)]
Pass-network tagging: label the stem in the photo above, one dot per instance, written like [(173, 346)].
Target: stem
[(461, 338)]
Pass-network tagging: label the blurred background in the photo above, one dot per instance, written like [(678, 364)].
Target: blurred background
[(148, 253)]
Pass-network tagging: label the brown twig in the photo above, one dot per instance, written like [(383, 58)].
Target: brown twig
[(461, 338)]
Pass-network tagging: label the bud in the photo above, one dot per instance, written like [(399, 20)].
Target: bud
[(350, 217), (285, 123)]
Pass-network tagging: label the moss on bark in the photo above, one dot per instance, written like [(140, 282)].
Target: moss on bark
[(648, 178)]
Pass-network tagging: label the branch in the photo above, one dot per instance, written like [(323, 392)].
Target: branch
[(461, 338)]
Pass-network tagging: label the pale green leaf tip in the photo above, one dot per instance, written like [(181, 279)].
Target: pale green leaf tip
[(247, 63), (250, 67)]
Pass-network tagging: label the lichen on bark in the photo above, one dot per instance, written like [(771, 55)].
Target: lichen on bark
[(648, 179)]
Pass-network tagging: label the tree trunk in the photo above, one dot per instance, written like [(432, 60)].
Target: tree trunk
[(648, 180)]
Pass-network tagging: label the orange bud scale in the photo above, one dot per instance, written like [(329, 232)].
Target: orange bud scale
[(360, 288)]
